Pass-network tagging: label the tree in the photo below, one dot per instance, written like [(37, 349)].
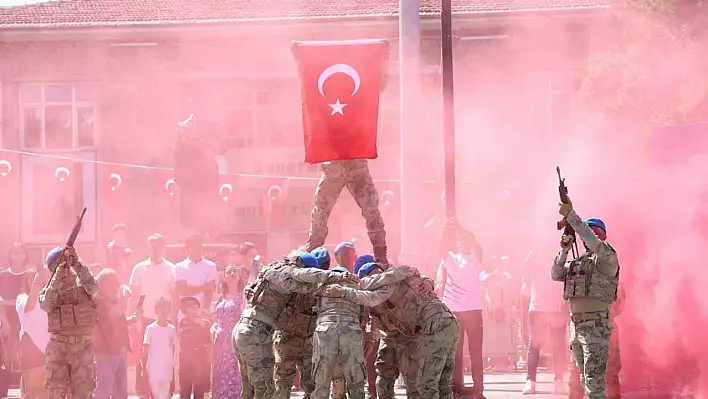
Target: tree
[(649, 67)]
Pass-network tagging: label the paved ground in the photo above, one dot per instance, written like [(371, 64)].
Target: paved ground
[(503, 386)]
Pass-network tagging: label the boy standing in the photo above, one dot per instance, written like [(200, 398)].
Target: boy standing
[(159, 351), (194, 350)]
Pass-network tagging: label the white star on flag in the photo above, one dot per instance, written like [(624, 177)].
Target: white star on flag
[(337, 108)]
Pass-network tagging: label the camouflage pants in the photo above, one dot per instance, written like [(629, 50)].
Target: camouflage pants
[(253, 343), (69, 367), (439, 344), (339, 385), (614, 366), (590, 343), (398, 355), (338, 343), (355, 176), (292, 353)]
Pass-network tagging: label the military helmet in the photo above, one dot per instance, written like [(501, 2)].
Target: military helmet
[(368, 268), (306, 260), (52, 259), (595, 222)]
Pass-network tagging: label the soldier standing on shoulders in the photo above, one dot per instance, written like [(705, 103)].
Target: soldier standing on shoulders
[(71, 312), (292, 343), (590, 287), (267, 299), (353, 174)]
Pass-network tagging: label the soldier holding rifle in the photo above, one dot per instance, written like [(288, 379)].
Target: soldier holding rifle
[(590, 287), (71, 310)]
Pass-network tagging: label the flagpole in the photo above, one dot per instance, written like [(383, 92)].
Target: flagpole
[(448, 108), (409, 78)]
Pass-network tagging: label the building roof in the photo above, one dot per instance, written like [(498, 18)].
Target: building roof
[(99, 13)]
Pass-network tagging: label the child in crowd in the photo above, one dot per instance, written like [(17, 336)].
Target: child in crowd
[(194, 350), (159, 351)]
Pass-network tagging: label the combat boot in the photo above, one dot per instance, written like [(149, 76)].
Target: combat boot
[(380, 255)]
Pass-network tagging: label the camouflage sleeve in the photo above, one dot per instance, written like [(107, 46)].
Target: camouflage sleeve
[(558, 271), (603, 250), (309, 276), (392, 276), (49, 295), (88, 281), (368, 298)]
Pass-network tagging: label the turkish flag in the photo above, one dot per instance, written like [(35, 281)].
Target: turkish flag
[(341, 82), (165, 204), (113, 193), (275, 191)]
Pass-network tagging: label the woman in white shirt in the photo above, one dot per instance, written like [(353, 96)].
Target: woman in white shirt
[(34, 336), (458, 279)]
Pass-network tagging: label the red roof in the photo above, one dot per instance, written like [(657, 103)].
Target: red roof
[(59, 13)]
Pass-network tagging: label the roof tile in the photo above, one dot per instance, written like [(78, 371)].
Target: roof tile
[(58, 13)]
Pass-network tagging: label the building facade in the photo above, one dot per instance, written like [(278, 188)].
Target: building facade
[(99, 91)]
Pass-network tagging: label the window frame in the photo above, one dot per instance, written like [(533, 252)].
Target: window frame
[(75, 106)]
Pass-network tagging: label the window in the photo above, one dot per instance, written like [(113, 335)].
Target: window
[(279, 118), (58, 116)]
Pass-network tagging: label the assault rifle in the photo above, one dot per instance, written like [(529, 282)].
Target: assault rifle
[(72, 239), (563, 223)]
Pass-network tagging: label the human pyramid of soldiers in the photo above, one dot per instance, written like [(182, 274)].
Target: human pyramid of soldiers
[(302, 316)]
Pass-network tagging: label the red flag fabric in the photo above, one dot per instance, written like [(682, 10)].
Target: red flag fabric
[(341, 82), (165, 204)]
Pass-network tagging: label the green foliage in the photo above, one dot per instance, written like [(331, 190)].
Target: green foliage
[(648, 66)]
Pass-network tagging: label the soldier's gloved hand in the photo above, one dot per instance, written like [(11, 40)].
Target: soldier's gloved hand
[(348, 278), (428, 284), (566, 241), (333, 291), (564, 209), (406, 270)]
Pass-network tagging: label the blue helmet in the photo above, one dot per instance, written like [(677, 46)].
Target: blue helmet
[(308, 260), (367, 268), (361, 261), (595, 222), (340, 269), (53, 257), (322, 256)]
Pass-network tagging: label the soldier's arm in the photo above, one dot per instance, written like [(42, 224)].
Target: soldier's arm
[(288, 284), (310, 276), (559, 270), (618, 306), (368, 298), (49, 295), (603, 250), (391, 276), (88, 281)]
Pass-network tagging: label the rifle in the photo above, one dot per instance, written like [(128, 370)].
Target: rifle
[(72, 239), (563, 224)]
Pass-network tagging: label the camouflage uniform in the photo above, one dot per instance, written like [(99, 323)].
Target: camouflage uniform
[(614, 361), (71, 313), (293, 347), (355, 175), (339, 339), (267, 298), (422, 342), (590, 287), (400, 351)]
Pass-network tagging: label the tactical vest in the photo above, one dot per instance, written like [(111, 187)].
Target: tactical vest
[(75, 309), (265, 300), (583, 280), (401, 313), (299, 318), (340, 307)]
